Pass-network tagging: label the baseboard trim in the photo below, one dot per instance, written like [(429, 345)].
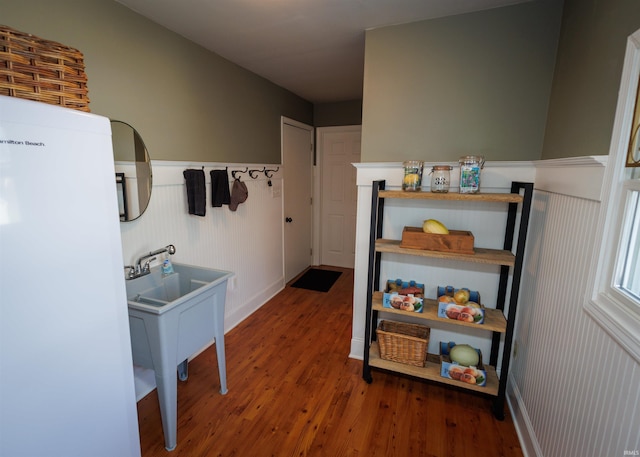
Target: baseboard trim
[(357, 345), (521, 421)]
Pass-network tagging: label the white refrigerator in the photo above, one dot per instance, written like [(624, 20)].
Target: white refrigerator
[(66, 371)]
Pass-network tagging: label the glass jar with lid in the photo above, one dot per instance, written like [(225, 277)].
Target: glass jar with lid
[(412, 180), (470, 167), (440, 178)]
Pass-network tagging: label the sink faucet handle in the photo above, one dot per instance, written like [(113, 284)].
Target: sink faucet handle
[(132, 271), (146, 264)]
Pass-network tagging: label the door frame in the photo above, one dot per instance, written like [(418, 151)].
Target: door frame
[(286, 120), (317, 180)]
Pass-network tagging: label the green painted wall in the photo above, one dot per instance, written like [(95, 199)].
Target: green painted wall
[(479, 83), (337, 114), (186, 102), (476, 83), (587, 76), (532, 81)]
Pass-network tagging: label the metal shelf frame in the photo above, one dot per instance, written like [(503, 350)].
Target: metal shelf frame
[(520, 197)]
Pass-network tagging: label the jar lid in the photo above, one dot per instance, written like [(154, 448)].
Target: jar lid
[(471, 159), (442, 167)]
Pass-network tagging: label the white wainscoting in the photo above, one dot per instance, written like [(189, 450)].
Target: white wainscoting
[(573, 390), (247, 242)]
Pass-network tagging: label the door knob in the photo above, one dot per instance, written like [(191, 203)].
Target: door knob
[(288, 219)]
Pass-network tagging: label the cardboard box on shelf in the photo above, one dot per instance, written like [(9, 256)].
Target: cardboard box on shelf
[(452, 370), (402, 302), (405, 287), (449, 308)]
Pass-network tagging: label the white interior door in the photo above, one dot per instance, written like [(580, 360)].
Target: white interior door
[(339, 148), (297, 159)]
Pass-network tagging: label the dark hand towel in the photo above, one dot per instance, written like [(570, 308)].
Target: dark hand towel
[(196, 191), (220, 194)]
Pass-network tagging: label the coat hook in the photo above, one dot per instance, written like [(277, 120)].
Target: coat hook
[(251, 172), (233, 173), (266, 172)]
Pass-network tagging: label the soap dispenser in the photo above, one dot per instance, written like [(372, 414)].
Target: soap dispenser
[(167, 268)]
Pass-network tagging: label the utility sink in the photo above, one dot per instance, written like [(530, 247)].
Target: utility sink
[(171, 318), (159, 294)]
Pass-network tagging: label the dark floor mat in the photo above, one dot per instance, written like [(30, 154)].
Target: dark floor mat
[(318, 280)]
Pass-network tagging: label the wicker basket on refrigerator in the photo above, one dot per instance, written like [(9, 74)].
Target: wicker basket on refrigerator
[(42, 70)]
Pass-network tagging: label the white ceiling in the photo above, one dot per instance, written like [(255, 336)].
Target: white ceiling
[(314, 48)]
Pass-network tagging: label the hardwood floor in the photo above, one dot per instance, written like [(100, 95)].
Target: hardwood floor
[(293, 391)]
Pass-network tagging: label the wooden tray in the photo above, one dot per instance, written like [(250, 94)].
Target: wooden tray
[(457, 241)]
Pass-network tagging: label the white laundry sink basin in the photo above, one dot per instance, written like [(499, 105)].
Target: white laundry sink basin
[(171, 318), (158, 294)]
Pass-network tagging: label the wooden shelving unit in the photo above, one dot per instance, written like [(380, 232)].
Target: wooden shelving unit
[(495, 324)]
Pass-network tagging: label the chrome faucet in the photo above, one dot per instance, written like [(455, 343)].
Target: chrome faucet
[(140, 268)]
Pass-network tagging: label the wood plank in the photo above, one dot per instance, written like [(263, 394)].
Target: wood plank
[(293, 391), (494, 320), (431, 371), (452, 196), (480, 255)]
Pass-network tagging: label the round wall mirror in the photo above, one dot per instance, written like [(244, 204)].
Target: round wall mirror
[(133, 171)]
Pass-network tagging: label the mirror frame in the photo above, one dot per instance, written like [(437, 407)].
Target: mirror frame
[(134, 178)]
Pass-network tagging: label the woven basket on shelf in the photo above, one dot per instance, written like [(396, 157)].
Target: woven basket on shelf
[(42, 70), (402, 342)]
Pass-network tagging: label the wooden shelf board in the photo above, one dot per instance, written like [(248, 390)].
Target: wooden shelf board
[(481, 255), (431, 371), (494, 320), (484, 197)]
